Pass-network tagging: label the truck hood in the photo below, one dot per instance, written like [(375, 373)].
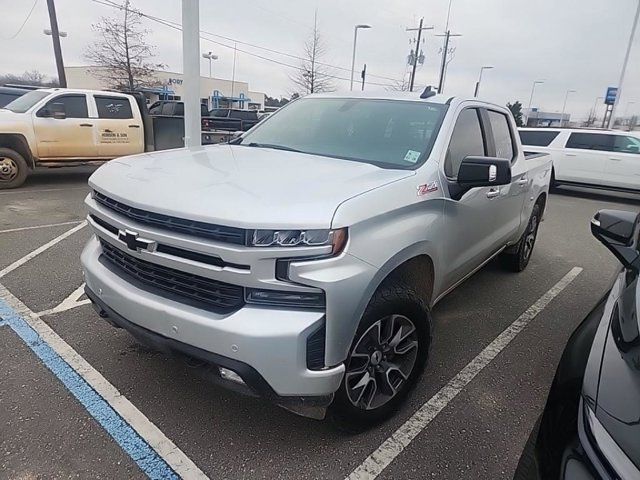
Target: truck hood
[(240, 186), (7, 117)]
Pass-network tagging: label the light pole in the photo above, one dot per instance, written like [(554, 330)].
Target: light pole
[(626, 109), (564, 105), (209, 56), (57, 50), (353, 57), (624, 64), (46, 31), (533, 88), (482, 69)]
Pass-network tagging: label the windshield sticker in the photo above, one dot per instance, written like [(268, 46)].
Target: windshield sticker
[(412, 156)]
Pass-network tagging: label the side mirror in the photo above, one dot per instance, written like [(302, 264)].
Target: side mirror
[(57, 111), (618, 230), (484, 172)]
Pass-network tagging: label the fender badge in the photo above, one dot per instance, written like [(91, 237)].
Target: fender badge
[(427, 188)]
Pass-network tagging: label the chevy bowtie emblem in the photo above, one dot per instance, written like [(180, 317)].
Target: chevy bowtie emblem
[(134, 242)]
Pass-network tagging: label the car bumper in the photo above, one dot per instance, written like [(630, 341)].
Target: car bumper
[(266, 347)]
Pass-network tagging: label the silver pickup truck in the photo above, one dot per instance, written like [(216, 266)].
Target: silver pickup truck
[(301, 262)]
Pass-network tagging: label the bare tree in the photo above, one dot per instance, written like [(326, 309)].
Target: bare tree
[(313, 76), (121, 52), (34, 77)]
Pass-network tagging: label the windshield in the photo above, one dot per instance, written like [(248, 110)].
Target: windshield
[(388, 133), (25, 102)]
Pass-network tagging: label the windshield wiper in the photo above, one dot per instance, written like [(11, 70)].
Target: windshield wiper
[(273, 146)]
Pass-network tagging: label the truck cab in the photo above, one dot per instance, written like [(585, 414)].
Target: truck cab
[(60, 127)]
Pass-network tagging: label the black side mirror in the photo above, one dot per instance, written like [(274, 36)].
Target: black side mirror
[(618, 230), (484, 172), (58, 111)]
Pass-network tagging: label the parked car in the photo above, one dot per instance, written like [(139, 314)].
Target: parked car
[(173, 108), (590, 426), (55, 127), (9, 94), (245, 119), (608, 159), (301, 262)]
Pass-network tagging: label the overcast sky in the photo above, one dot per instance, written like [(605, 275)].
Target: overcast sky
[(571, 44)]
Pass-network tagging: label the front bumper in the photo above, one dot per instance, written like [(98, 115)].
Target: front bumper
[(267, 345)]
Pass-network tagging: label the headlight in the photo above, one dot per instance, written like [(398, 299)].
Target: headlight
[(297, 238), (607, 447)]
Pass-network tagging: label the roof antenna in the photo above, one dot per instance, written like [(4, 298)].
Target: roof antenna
[(427, 93)]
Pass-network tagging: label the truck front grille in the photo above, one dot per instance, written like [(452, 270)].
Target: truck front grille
[(186, 288), (218, 233)]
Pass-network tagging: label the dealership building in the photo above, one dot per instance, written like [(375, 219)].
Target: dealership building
[(214, 92)]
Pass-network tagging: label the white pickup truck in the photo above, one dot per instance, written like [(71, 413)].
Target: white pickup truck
[(61, 127), (58, 127), (302, 261)]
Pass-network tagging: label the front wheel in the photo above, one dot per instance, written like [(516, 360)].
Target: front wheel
[(13, 169), (519, 260), (386, 358)]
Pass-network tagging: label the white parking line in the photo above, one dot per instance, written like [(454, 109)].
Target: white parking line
[(20, 229), (39, 250), (152, 435), (382, 457), (72, 301)]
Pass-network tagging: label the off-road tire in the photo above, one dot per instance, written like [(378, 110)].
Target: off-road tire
[(393, 297), (518, 260)]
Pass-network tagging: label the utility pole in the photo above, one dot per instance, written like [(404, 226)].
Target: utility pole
[(191, 69), (417, 54), (57, 50), (624, 64), (363, 74), (445, 51)]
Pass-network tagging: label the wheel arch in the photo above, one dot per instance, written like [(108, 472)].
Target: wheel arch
[(17, 142)]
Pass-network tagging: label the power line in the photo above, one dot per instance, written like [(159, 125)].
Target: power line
[(23, 23), (177, 26)]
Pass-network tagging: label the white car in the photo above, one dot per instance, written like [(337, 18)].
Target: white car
[(607, 159)]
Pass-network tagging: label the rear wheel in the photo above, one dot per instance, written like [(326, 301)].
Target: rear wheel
[(386, 358), (519, 259), (13, 169)]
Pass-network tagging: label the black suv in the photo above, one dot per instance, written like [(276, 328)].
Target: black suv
[(590, 428)]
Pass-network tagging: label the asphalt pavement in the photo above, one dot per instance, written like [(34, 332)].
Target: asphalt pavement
[(48, 431)]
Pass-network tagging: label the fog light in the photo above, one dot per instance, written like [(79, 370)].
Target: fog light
[(230, 375), (277, 298)]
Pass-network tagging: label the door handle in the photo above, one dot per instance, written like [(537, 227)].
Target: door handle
[(523, 181), (134, 126), (494, 192), (570, 154), (615, 159), (86, 124), (106, 130)]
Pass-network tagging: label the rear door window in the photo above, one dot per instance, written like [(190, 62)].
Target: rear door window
[(502, 136), (626, 144), (538, 138), (466, 140), (591, 141), (113, 107), (75, 106)]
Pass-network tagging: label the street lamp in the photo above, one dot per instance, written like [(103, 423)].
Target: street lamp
[(209, 56), (475, 94), (353, 58), (564, 105), (533, 87)]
